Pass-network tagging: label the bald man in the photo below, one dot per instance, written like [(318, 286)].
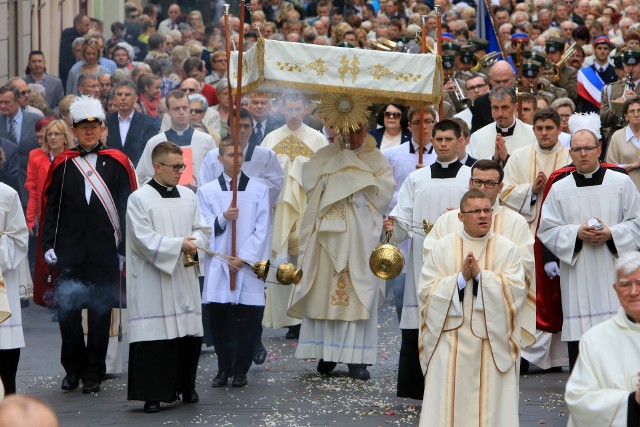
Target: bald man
[(19, 410)]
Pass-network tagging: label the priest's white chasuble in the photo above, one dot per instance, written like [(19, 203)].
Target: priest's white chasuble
[(587, 271), (347, 195), (521, 171), (289, 144), (163, 296), (424, 196), (470, 344), (605, 374)]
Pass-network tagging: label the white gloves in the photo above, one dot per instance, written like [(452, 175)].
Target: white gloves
[(552, 269), (121, 261), (50, 257)]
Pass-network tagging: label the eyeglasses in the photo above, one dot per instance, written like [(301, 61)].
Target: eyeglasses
[(392, 114), (176, 168), (189, 89), (486, 211), (427, 122), (196, 111), (479, 183), (582, 149), (54, 134), (476, 87)]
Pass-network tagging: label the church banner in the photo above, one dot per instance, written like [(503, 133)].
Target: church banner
[(275, 66)]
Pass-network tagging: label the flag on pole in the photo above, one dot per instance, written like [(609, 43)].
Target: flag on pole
[(590, 85), (485, 28)]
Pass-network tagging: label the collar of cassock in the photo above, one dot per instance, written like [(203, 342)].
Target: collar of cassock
[(590, 175), (83, 152), (508, 131), (446, 165)]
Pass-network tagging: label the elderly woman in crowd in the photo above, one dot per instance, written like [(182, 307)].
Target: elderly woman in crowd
[(198, 107), (57, 138), (219, 67), (222, 91), (90, 65)]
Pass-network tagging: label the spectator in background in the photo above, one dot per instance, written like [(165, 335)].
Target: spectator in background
[(66, 59), (149, 94), (194, 68), (122, 56), (57, 138), (218, 62), (393, 127), (88, 85), (36, 72), (64, 111), (171, 23), (90, 65)]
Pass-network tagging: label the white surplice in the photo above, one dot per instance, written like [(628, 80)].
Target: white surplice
[(470, 349), (605, 374), (252, 243), (483, 141), (163, 296), (586, 276), (423, 198), (14, 264), (507, 223)]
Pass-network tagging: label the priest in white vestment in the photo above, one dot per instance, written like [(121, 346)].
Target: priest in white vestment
[(424, 196), (472, 287), (499, 139), (163, 295), (348, 191), (588, 217), (234, 314), (14, 265), (604, 387), (181, 134), (525, 177)]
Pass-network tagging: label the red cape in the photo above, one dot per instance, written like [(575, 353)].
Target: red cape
[(43, 290), (548, 296)]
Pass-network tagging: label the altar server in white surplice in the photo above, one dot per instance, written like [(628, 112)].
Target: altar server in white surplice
[(182, 134), (472, 287), (348, 191), (586, 252), (404, 160), (487, 175), (604, 387), (163, 296), (234, 314), (294, 138), (499, 139), (525, 177), (14, 266), (425, 195)]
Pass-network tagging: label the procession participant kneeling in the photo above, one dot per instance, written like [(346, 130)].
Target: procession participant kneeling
[(163, 295), (235, 314)]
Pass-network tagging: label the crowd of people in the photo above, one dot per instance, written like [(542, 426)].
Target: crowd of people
[(519, 220)]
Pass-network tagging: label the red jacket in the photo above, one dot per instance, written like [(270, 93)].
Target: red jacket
[(37, 170)]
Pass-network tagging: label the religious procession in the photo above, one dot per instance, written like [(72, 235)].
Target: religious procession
[(437, 200)]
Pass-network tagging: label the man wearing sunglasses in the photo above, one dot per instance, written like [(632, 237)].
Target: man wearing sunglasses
[(181, 134), (588, 217)]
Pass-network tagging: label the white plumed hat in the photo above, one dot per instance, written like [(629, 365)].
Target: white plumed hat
[(86, 109), (585, 121)]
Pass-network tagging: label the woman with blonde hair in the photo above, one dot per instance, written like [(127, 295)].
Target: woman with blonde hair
[(57, 138), (63, 110), (197, 23), (90, 57)]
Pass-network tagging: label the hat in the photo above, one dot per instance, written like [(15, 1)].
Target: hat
[(519, 37), (346, 44), (480, 44), (451, 45), (585, 121), (601, 40), (447, 36), (86, 109), (555, 44), (631, 56), (535, 55), (617, 60), (467, 54), (448, 59), (530, 68)]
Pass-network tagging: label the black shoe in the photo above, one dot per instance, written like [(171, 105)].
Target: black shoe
[(221, 379), (90, 386), (239, 380), (259, 355), (151, 407), (358, 371), (326, 367), (553, 370), (70, 382), (190, 397), (524, 366), (293, 333)]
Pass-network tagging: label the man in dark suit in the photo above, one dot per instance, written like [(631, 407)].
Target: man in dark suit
[(82, 235), (129, 130), (20, 128), (80, 27), (263, 123), (11, 167)]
